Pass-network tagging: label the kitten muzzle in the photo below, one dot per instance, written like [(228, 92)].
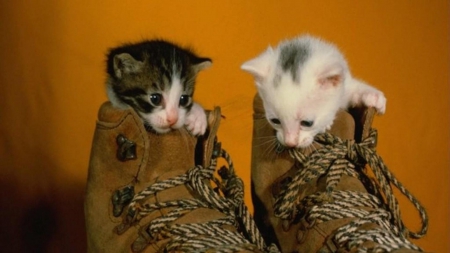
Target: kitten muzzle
[(290, 140), (171, 117)]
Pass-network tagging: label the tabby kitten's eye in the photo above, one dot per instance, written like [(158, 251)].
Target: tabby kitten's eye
[(155, 99), (275, 121), (184, 100), (306, 123)]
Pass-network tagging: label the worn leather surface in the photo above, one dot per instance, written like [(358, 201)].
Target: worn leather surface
[(158, 157), (270, 170)]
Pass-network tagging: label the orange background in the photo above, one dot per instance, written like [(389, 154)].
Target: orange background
[(52, 84)]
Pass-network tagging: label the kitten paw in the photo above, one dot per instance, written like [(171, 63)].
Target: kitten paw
[(196, 122), (375, 99)]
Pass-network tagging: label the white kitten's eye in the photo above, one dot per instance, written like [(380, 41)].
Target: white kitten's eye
[(275, 121), (155, 99), (306, 123), (184, 100)]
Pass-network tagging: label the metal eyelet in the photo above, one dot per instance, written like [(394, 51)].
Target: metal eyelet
[(126, 150), (121, 198)]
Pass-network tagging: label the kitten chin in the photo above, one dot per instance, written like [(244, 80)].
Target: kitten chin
[(157, 79), (303, 82)]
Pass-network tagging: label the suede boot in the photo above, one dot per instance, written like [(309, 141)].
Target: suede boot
[(149, 192), (335, 196)]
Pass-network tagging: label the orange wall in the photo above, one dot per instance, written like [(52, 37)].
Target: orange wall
[(52, 83)]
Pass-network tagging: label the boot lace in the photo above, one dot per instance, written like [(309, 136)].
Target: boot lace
[(227, 198), (335, 158)]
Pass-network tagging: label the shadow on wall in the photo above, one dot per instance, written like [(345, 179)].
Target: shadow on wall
[(41, 208), (48, 222)]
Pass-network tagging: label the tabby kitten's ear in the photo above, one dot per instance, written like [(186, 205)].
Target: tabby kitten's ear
[(125, 64), (201, 64)]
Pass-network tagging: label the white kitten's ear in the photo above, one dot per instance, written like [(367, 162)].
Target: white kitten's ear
[(201, 64), (259, 67), (332, 76), (125, 64), (333, 80)]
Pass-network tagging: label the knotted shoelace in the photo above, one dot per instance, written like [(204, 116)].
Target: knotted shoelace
[(200, 237), (335, 158)]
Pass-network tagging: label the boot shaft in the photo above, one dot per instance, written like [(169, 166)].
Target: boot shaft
[(148, 192), (308, 200), (125, 158)]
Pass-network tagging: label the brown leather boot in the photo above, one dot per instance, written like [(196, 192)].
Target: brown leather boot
[(322, 199), (148, 192)]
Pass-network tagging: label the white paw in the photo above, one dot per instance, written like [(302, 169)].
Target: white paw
[(375, 99), (196, 122)]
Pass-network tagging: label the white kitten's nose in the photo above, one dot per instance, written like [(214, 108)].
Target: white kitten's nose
[(290, 144), (291, 140)]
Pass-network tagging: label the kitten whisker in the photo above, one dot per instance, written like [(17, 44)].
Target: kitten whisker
[(264, 137), (278, 149), (268, 143), (264, 143), (315, 150), (270, 149), (262, 126)]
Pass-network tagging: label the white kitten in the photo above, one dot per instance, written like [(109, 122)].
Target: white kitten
[(303, 83)]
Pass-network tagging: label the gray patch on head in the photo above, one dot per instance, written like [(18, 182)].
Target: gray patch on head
[(292, 57), (277, 80)]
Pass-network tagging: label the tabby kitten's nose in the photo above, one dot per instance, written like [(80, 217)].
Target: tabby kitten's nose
[(171, 120)]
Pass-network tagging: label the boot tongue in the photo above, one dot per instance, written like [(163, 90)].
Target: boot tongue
[(354, 124), (209, 145), (343, 126), (363, 121), (173, 151)]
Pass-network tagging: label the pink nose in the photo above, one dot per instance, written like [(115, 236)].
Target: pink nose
[(290, 140), (290, 143), (171, 116), (172, 120)]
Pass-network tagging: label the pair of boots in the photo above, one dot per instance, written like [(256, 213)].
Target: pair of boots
[(163, 193)]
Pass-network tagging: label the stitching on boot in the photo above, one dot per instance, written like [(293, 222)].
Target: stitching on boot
[(106, 126)]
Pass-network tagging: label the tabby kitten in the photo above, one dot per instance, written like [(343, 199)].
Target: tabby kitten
[(157, 79)]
